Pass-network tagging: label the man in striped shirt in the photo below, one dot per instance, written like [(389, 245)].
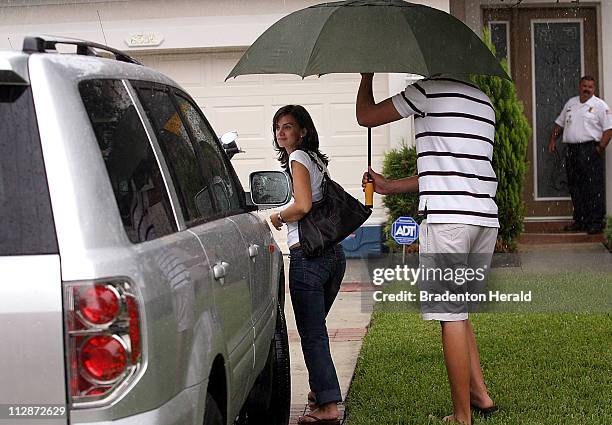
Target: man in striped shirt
[(455, 130)]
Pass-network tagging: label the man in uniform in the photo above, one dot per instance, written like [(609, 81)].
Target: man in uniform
[(586, 124)]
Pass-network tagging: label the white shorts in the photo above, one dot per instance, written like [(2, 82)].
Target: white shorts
[(443, 238)]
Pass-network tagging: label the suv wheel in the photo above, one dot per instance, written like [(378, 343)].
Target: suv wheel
[(212, 415), (270, 398)]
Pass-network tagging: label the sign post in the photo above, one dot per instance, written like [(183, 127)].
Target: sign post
[(405, 231)]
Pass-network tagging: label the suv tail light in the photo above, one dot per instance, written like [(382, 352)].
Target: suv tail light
[(103, 338), (103, 358), (98, 304)]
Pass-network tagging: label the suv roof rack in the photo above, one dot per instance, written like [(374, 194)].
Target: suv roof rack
[(41, 44)]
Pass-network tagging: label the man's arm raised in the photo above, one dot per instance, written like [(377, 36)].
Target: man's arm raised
[(369, 113)]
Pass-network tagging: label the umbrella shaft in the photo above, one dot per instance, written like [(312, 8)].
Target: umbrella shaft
[(369, 146)]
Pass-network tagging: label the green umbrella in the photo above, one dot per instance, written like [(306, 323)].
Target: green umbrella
[(368, 36)]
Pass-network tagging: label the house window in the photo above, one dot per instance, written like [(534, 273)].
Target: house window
[(500, 37)]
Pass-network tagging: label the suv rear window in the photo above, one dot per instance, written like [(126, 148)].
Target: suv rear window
[(133, 170), (26, 218)]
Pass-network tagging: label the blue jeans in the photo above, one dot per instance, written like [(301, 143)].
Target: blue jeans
[(314, 284)]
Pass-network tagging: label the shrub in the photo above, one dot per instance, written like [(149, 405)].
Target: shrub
[(512, 133), (400, 163), (608, 232)]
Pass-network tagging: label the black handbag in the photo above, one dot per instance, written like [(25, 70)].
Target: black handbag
[(331, 219)]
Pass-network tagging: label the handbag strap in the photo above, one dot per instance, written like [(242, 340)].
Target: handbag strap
[(321, 168), (316, 160)]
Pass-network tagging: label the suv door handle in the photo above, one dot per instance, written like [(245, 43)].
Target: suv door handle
[(220, 270), (253, 251)]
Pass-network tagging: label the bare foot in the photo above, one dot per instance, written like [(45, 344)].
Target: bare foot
[(453, 420), (481, 401)]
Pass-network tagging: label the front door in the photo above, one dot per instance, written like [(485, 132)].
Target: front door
[(548, 50)]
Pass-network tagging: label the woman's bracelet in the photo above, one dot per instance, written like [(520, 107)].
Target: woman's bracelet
[(280, 218)]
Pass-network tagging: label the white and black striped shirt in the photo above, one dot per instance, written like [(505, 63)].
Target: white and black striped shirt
[(455, 131)]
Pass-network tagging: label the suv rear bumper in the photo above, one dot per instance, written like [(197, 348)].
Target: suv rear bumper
[(186, 408)]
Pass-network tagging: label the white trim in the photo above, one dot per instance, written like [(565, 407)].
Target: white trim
[(551, 198), (507, 40), (533, 96), (539, 219)]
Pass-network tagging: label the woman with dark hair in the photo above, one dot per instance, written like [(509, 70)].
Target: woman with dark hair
[(313, 282)]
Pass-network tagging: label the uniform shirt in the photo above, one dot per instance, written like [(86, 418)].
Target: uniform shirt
[(584, 122), (316, 179), (455, 131)]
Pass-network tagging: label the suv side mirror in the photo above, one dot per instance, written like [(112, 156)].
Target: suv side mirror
[(270, 188), (228, 141)]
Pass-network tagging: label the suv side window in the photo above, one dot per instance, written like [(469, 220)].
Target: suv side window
[(225, 186), (135, 176), (183, 158)]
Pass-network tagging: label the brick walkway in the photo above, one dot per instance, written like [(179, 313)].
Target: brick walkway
[(335, 335)]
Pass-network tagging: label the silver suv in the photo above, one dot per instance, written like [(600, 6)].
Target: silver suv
[(137, 285)]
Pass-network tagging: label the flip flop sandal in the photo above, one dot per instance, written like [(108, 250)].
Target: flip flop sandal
[(319, 421), (485, 411)]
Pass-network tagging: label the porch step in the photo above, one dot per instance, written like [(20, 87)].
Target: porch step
[(565, 237), (555, 226)]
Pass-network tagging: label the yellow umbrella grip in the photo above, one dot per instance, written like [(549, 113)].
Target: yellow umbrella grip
[(369, 194)]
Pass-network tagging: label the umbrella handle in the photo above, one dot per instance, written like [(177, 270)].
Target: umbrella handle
[(369, 193)]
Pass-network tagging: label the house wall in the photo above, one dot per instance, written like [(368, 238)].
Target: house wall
[(473, 12)]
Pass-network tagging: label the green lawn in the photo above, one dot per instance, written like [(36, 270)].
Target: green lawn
[(541, 368)]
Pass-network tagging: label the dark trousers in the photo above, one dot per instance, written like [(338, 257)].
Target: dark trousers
[(585, 177), (314, 284)]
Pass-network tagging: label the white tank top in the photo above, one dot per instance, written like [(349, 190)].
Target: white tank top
[(316, 178)]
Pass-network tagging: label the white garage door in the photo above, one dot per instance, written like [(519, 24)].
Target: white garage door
[(248, 103)]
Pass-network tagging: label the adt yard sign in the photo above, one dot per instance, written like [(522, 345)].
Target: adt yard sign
[(405, 230)]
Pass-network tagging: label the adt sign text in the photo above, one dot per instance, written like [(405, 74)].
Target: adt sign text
[(405, 230)]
